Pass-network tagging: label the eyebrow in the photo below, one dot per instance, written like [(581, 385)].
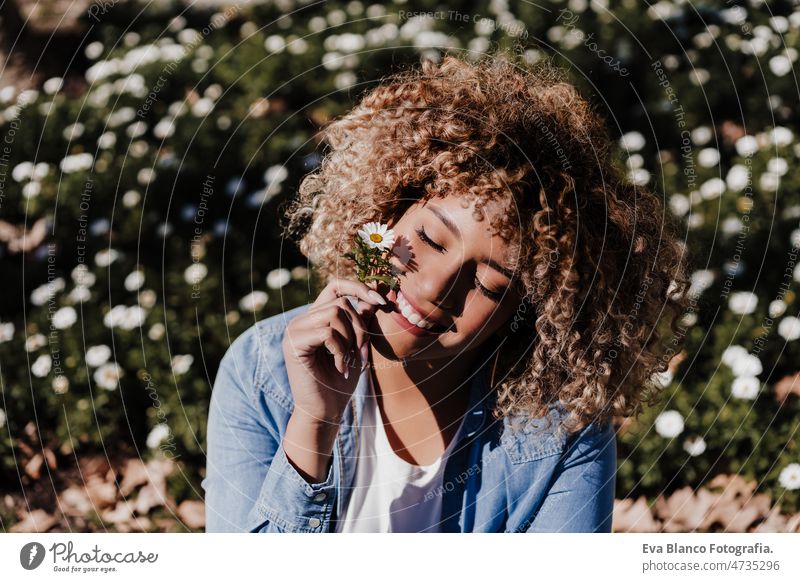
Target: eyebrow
[(451, 226)]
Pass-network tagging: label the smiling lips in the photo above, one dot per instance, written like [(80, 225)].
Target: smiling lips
[(413, 317)]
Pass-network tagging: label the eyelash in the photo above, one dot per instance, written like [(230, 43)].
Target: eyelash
[(493, 295)]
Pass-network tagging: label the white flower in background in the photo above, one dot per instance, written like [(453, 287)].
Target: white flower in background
[(107, 140), (679, 204), (663, 378), (156, 332), (96, 356), (107, 376), (114, 316), (632, 141), (73, 131), (195, 273), (742, 302), (275, 174), (377, 235), (134, 281), (164, 128), (41, 367), (253, 301), (669, 424), (79, 294), (31, 190), (34, 342), (733, 353), (713, 188), (278, 278), (105, 257), (780, 65), (6, 332), (708, 157), (769, 181), (300, 273), (701, 135), (777, 308), (76, 163), (43, 293), (40, 171), (145, 176), (158, 434), (131, 198), (147, 298), (133, 317), (746, 146), (64, 318), (640, 176), (731, 225), (202, 107), (22, 171), (738, 177), (60, 384), (789, 328), (182, 363), (2, 418), (695, 446), (794, 237), (81, 275), (701, 280), (777, 166), (745, 387), (746, 365), (53, 85), (781, 136), (790, 476)]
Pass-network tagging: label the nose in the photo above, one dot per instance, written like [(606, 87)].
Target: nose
[(438, 285)]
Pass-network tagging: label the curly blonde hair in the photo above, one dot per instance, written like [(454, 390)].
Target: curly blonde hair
[(598, 258)]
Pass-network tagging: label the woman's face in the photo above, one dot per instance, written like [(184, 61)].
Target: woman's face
[(453, 271)]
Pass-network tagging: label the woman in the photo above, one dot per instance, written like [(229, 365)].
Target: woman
[(478, 397)]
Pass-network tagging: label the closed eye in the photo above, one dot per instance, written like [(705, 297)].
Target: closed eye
[(426, 239), (493, 295)]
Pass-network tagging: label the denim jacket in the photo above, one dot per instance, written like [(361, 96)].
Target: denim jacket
[(495, 480)]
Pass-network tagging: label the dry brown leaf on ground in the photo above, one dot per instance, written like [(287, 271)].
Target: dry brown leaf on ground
[(630, 516), (33, 467), (684, 510), (74, 501), (134, 475), (786, 387), (101, 493), (37, 521), (192, 514)]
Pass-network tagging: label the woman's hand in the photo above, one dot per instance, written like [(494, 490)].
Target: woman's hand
[(322, 349)]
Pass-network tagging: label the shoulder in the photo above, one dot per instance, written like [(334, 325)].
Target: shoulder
[(256, 355), (532, 439)]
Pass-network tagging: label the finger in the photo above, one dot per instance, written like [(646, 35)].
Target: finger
[(339, 287), (305, 343)]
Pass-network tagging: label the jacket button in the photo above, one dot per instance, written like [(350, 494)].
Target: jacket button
[(314, 522), (320, 496)]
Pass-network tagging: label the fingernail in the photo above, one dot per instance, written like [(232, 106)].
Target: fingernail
[(346, 373), (377, 297), (364, 354)]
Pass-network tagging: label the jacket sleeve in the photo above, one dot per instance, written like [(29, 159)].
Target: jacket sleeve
[(250, 486), (581, 498)]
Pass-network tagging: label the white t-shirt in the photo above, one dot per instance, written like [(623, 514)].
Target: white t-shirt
[(389, 493)]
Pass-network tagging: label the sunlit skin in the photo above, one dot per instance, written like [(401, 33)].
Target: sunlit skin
[(420, 381)]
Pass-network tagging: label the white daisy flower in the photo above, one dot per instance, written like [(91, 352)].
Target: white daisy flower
[(60, 384), (181, 363), (64, 318), (278, 278), (377, 235), (745, 387), (747, 365), (733, 353), (669, 424), (790, 476), (742, 302), (789, 328), (156, 332), (253, 301), (41, 367), (134, 281), (34, 342), (777, 308), (6, 332), (694, 445), (158, 434), (195, 273), (96, 356), (107, 376)]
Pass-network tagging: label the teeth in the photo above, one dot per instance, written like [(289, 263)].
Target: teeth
[(411, 315)]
